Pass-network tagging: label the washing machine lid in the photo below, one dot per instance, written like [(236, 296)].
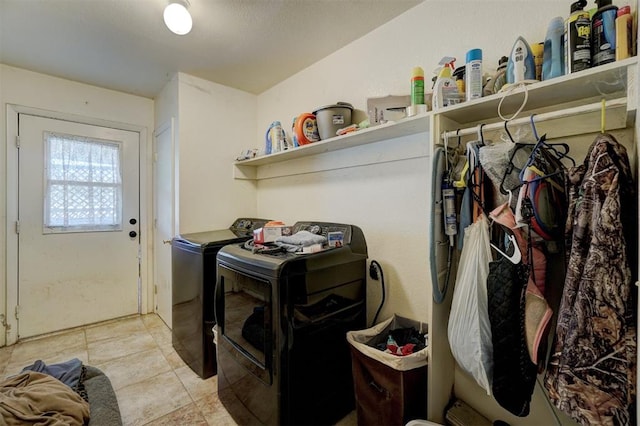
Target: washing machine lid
[(213, 238)]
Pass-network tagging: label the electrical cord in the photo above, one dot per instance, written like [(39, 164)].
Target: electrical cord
[(374, 270)]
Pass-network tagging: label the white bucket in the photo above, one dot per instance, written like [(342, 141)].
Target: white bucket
[(422, 423)]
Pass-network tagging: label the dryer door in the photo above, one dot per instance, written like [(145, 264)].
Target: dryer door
[(245, 318)]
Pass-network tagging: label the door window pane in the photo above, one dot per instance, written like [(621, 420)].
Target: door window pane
[(83, 184)]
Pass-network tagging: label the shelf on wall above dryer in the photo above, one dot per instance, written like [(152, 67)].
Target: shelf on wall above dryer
[(605, 81), (612, 81), (247, 169)]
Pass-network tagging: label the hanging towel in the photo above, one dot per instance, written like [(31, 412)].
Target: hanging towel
[(591, 375)]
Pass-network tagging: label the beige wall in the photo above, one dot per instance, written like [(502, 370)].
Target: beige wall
[(29, 89), (380, 63), (212, 125), (215, 123), (389, 200)]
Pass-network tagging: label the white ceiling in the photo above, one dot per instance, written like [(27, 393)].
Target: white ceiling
[(123, 44)]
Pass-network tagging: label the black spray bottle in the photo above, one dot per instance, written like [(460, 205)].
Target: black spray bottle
[(603, 33)]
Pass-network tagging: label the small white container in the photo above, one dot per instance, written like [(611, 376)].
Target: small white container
[(332, 118)]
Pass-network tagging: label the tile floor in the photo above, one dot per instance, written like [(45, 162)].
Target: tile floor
[(153, 385)]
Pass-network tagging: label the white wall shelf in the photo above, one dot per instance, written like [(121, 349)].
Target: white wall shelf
[(247, 169), (605, 81)]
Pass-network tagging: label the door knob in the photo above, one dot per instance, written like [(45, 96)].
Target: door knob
[(166, 241), (133, 234)]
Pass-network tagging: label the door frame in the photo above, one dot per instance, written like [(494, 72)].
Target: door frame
[(145, 293), (167, 126)]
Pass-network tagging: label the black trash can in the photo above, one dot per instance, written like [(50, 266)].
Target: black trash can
[(389, 389)]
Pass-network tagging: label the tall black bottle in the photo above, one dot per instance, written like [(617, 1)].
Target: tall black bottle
[(603, 33), (577, 39)]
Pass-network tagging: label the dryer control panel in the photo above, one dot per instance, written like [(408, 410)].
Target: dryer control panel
[(245, 226)]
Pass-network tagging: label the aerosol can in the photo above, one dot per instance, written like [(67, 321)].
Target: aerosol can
[(577, 39)]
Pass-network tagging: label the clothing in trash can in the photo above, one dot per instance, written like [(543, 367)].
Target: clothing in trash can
[(402, 341)]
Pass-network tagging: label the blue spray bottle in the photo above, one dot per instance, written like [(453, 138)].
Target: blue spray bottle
[(553, 56)]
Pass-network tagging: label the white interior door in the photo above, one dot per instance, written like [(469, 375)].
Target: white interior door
[(164, 227), (78, 210)]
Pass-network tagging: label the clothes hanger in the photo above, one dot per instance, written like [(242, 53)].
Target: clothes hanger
[(506, 129), (476, 178), (595, 166), (537, 138), (459, 164), (446, 154), (471, 152), (603, 116), (603, 129), (533, 127), (516, 257), (541, 175), (559, 150), (517, 146), (553, 146), (536, 153), (481, 134), (510, 166)]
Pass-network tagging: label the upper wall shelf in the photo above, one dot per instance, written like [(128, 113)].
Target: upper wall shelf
[(405, 127), (610, 80), (606, 81)]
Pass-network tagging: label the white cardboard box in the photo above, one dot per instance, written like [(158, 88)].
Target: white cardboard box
[(268, 234), (387, 108)]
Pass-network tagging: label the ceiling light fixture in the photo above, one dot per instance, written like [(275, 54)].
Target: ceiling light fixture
[(177, 18)]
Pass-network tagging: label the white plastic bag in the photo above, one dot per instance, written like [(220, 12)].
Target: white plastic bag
[(469, 327)]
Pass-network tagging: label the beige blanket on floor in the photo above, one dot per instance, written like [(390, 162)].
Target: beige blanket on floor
[(36, 398)]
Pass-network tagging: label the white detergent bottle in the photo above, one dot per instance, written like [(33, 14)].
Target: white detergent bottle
[(445, 89)]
